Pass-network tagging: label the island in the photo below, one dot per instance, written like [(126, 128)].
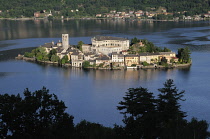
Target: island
[(108, 52)]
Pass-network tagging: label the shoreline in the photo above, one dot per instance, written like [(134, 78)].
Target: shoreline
[(20, 57), (94, 18)]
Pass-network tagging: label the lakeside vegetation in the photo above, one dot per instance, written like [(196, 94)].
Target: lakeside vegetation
[(40, 54), (40, 114), (89, 8), (145, 46)]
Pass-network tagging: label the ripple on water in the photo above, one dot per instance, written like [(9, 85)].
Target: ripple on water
[(196, 42)]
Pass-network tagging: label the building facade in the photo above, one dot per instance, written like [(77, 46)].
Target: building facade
[(65, 41), (107, 44), (131, 59)]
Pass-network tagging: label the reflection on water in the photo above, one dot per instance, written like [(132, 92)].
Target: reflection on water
[(19, 29), (94, 94)]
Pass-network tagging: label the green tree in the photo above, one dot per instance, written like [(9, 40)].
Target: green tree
[(37, 115), (184, 55), (166, 49), (52, 52), (197, 129), (86, 64), (149, 118), (88, 130), (55, 58), (64, 59), (139, 110), (145, 63), (28, 54), (171, 118), (134, 41), (39, 56), (79, 45), (42, 50)]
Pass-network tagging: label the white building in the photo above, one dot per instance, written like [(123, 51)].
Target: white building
[(86, 48), (117, 59), (107, 50), (107, 44)]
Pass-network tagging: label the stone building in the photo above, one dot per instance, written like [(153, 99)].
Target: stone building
[(149, 57), (117, 59), (86, 48), (131, 59), (107, 44), (65, 41), (168, 56)]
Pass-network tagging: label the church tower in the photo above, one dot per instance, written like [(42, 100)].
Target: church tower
[(65, 41)]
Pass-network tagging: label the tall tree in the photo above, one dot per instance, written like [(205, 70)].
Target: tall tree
[(171, 118), (89, 130), (197, 129), (79, 45), (139, 113), (38, 114), (184, 55)]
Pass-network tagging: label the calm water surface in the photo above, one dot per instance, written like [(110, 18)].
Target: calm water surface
[(94, 95)]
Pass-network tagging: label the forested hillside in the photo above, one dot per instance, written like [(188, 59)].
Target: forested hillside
[(16, 8)]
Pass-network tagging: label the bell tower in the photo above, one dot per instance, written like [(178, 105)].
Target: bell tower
[(65, 41)]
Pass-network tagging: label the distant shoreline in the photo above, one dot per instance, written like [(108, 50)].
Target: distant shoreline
[(94, 18)]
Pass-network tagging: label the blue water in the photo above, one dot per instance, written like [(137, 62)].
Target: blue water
[(94, 95)]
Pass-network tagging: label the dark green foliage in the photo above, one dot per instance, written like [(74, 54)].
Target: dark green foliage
[(197, 129), (149, 118), (166, 49), (50, 18), (134, 41), (168, 99), (51, 53), (147, 47), (139, 112), (28, 54), (145, 63), (55, 58), (39, 53), (184, 55), (163, 17), (86, 64), (64, 59), (88, 130), (42, 115), (37, 115), (92, 7), (171, 118), (79, 45)]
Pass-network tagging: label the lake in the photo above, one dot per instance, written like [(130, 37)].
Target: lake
[(93, 95)]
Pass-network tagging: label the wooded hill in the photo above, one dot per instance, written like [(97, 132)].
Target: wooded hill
[(18, 8)]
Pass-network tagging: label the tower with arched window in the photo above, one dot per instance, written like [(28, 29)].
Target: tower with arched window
[(65, 41)]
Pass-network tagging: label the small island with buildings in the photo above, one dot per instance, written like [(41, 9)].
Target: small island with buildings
[(107, 52)]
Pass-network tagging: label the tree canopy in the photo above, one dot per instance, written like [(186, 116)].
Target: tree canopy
[(11, 8), (184, 55), (147, 117), (145, 46), (42, 115), (38, 114)]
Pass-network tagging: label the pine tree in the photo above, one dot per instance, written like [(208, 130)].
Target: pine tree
[(139, 113), (171, 118)]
